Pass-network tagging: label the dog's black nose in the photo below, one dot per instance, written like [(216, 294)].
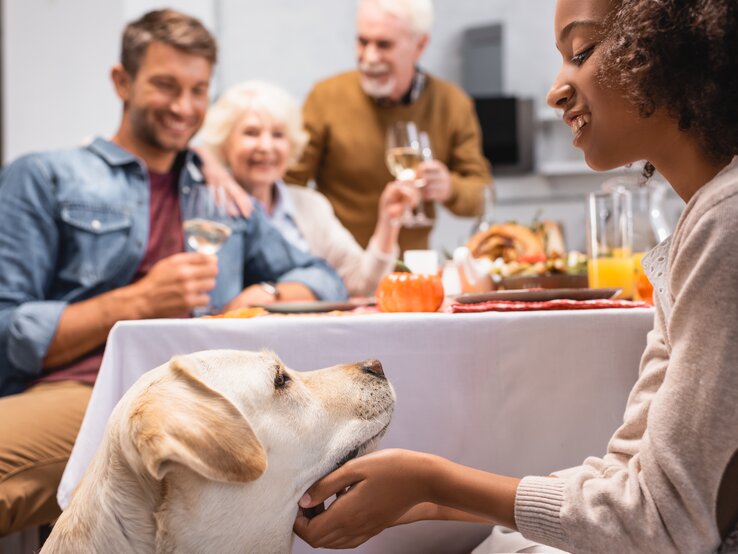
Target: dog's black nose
[(374, 367)]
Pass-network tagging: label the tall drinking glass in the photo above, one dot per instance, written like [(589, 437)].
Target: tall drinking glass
[(650, 226), (205, 222), (404, 154), (610, 241)]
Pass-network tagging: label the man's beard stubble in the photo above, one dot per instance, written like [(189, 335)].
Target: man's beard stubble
[(145, 131)]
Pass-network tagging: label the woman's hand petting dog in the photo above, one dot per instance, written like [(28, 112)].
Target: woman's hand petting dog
[(373, 492)]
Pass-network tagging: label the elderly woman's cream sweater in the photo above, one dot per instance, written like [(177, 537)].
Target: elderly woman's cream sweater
[(656, 488)]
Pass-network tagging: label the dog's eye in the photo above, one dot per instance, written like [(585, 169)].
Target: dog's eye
[(281, 379)]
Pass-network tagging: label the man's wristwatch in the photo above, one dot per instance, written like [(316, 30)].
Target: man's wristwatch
[(271, 288)]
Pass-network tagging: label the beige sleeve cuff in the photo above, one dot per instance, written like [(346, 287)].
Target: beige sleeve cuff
[(538, 504), (384, 259)]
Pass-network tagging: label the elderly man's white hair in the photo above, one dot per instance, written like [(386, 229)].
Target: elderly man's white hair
[(419, 13)]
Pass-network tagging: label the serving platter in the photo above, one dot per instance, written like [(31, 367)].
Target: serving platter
[(537, 295)]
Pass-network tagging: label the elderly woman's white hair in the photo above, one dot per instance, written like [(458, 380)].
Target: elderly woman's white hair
[(419, 13), (265, 99)]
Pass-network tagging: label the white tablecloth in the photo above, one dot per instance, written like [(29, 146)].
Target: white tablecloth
[(518, 394)]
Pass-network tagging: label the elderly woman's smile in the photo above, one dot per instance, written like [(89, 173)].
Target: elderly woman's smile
[(257, 150)]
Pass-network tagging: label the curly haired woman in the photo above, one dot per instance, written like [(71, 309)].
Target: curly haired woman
[(640, 80)]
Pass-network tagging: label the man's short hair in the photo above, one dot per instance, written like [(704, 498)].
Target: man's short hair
[(263, 98), (419, 13), (169, 27)]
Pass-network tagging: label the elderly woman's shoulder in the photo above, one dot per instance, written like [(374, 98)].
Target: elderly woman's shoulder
[(306, 198)]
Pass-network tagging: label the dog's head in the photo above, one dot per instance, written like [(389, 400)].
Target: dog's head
[(228, 415), (243, 417)]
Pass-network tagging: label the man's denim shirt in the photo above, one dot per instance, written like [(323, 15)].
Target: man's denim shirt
[(74, 224)]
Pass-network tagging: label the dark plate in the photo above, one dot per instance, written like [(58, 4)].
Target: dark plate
[(555, 281), (313, 307), (539, 295)]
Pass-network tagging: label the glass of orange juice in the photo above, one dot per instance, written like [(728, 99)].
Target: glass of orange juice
[(643, 287), (609, 241)]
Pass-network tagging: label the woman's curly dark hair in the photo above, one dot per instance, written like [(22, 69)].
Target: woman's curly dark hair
[(681, 55)]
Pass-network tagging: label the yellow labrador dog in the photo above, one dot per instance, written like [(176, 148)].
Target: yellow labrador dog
[(211, 452)]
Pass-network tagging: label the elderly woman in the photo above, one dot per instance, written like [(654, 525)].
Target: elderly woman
[(255, 129)]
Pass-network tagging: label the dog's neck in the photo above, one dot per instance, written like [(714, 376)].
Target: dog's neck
[(253, 517), (264, 512), (117, 511)]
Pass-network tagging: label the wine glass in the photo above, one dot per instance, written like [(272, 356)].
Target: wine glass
[(404, 155), (205, 219), (205, 222), (486, 220), (421, 219)]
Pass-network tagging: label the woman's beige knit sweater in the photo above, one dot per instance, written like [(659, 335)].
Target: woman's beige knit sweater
[(656, 488)]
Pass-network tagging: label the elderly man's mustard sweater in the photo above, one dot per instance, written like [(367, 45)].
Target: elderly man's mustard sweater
[(346, 153)]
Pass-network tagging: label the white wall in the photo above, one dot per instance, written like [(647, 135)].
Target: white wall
[(58, 53), (57, 59)]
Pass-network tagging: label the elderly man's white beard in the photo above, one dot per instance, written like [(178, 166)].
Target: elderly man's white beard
[(375, 87)]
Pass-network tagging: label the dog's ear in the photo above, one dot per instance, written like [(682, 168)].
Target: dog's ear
[(180, 420)]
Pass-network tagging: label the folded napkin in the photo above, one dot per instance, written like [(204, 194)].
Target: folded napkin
[(515, 306)]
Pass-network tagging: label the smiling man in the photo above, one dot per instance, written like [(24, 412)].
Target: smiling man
[(93, 235), (347, 117)]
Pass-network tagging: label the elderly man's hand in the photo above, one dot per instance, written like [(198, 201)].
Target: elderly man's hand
[(437, 181)]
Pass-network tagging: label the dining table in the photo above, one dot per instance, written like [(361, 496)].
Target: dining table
[(512, 393)]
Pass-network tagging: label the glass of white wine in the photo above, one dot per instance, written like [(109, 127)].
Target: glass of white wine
[(404, 155), (205, 221), (422, 220)]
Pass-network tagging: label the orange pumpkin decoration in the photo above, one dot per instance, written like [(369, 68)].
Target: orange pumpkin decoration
[(409, 292)]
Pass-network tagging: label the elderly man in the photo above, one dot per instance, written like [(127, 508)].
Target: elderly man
[(347, 117), (92, 236)]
